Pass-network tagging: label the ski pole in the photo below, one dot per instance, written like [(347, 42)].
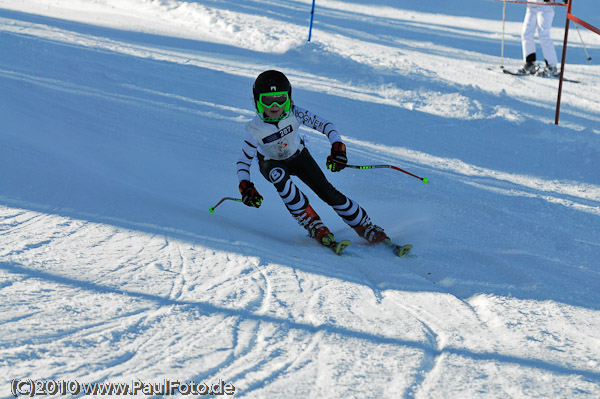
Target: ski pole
[(503, 22), (584, 49), (423, 179), (212, 208), (312, 15)]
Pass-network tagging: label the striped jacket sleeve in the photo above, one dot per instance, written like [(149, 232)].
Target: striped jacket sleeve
[(314, 121), (246, 157)]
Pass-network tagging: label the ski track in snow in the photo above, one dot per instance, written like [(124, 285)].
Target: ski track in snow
[(112, 270), (436, 346)]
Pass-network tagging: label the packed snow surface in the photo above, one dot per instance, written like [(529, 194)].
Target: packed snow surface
[(122, 121)]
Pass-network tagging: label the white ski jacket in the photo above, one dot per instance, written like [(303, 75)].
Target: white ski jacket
[(280, 140)]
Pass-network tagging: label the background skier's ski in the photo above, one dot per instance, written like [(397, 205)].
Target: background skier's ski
[(516, 73)]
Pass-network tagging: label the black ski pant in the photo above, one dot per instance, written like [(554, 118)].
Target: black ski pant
[(303, 165)]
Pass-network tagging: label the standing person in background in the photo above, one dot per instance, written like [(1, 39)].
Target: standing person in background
[(538, 17)]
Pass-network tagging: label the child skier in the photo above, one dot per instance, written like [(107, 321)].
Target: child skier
[(273, 137)]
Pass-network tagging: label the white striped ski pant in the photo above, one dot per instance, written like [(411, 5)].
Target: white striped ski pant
[(303, 165)]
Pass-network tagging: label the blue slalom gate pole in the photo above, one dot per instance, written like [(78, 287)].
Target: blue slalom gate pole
[(312, 14)]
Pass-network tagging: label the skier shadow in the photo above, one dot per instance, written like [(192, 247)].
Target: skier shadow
[(207, 308)]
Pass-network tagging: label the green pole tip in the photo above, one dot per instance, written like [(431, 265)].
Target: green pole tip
[(425, 180), (211, 209)]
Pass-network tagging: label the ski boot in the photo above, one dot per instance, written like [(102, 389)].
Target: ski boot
[(375, 235), (370, 232), (310, 220), (549, 70), (528, 69)]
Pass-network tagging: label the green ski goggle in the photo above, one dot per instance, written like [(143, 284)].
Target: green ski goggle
[(267, 100)]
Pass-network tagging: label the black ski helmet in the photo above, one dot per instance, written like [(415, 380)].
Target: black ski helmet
[(271, 81)]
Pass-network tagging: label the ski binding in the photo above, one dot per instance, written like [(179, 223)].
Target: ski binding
[(339, 246), (399, 250)]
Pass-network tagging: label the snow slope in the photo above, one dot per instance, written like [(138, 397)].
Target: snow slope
[(121, 125)]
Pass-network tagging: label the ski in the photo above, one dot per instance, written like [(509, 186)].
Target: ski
[(515, 73), (339, 246), (399, 250), (556, 77)]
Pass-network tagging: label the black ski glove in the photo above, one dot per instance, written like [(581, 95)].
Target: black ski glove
[(337, 160), (250, 195)]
